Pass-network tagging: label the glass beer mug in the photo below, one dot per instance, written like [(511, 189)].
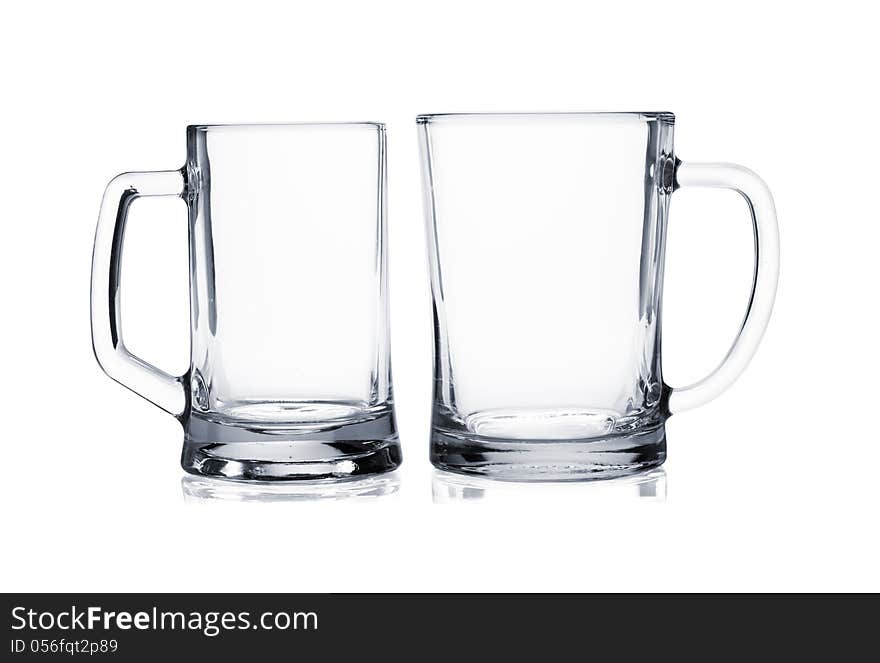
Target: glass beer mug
[(546, 236), (289, 375)]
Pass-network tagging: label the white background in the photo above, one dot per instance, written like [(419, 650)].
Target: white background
[(773, 486)]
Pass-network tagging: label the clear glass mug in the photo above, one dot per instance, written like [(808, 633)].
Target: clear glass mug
[(546, 237), (290, 371)]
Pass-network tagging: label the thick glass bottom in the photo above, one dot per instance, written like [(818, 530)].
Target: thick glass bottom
[(576, 459), (332, 452)]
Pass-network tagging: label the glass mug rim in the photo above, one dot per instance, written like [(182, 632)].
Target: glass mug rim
[(649, 116), (282, 125)]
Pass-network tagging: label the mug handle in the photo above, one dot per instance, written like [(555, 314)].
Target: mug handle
[(157, 386), (765, 278)]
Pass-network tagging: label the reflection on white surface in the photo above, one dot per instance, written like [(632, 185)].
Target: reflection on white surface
[(201, 490), (447, 487)]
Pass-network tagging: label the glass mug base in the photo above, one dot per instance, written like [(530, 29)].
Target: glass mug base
[(569, 459), (319, 451)]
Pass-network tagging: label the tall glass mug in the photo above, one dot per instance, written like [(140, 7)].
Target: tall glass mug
[(546, 235), (289, 375)]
